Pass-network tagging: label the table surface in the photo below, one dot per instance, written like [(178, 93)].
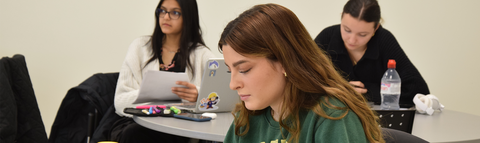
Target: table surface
[(447, 127), (442, 127), (213, 130)]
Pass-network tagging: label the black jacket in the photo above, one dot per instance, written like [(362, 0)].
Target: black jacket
[(71, 122), (20, 119), (371, 67)]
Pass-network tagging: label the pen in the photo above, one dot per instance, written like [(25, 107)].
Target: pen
[(148, 106)]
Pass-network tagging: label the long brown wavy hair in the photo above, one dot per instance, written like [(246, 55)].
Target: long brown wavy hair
[(275, 32)]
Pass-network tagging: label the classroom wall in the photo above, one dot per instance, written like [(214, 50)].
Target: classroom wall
[(65, 42)]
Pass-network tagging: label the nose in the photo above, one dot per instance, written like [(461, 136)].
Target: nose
[(352, 40), (167, 16), (235, 83)]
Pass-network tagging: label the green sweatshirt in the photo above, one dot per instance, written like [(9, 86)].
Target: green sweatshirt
[(263, 129)]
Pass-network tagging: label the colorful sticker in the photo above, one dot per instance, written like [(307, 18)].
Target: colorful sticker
[(213, 65), (212, 73), (209, 103)]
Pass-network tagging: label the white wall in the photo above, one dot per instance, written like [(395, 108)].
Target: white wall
[(65, 42)]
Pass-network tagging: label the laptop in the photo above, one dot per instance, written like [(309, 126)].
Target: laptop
[(215, 94)]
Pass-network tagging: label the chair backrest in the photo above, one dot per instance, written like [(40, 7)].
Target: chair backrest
[(397, 119), (94, 94), (396, 136), (8, 106), (29, 124)]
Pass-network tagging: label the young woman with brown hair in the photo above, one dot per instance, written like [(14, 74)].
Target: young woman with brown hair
[(289, 88)]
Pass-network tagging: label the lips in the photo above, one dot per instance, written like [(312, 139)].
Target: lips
[(166, 24), (244, 96)]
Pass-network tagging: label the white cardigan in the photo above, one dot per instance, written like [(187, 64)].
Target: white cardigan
[(133, 70)]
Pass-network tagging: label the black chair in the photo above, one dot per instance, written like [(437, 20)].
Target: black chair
[(397, 119), (396, 136), (20, 118), (92, 101)]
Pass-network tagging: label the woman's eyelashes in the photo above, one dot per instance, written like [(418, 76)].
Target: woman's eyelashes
[(240, 71), (349, 31), (346, 29), (174, 12), (245, 71)]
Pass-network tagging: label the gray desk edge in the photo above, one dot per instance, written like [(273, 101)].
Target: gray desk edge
[(179, 131)]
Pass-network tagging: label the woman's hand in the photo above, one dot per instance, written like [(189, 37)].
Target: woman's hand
[(189, 93), (358, 86)]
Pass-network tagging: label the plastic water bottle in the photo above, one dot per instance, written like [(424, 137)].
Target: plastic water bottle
[(390, 88)]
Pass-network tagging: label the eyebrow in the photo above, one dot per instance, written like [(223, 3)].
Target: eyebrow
[(237, 63), (358, 32), (162, 7)]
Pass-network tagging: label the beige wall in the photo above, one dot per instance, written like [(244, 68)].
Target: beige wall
[(65, 42)]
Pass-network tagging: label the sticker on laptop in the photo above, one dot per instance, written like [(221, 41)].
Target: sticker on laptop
[(212, 73), (209, 103), (213, 65)]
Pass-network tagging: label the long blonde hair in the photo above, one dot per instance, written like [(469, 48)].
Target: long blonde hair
[(275, 32)]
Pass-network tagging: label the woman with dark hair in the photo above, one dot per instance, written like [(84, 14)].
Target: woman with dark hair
[(176, 46), (360, 49), (287, 94)]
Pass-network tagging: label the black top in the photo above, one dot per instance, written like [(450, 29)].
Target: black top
[(170, 67), (371, 67)]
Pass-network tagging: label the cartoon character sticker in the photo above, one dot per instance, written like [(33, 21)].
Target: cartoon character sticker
[(212, 72), (209, 103), (213, 65)]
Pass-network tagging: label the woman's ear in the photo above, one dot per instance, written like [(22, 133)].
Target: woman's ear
[(283, 69), (279, 67), (378, 26)]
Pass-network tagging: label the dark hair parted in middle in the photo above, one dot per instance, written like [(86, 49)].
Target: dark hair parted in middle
[(274, 32), (366, 10), (191, 34)]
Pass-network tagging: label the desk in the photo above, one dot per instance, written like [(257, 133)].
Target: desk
[(213, 130), (447, 127), (442, 127)]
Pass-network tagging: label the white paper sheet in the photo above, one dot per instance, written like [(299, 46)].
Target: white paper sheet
[(157, 85)]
